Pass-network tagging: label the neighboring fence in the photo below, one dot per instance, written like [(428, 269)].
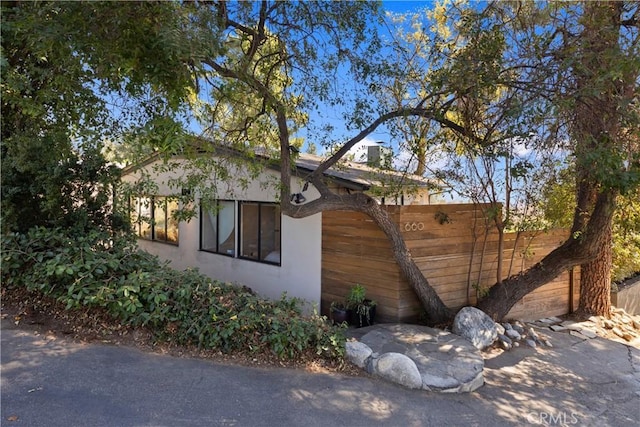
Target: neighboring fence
[(629, 296), (449, 244)]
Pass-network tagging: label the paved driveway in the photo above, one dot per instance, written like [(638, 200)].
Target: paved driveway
[(51, 381)]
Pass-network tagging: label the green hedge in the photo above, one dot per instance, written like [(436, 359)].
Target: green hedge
[(184, 307)]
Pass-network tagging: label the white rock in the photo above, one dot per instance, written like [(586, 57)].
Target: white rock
[(439, 383), (400, 369), (477, 382), (358, 353), (475, 326)]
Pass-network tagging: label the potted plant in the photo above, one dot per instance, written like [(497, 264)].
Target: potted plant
[(363, 310), (339, 312)]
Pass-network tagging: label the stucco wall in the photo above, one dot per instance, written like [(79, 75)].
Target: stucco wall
[(301, 250)]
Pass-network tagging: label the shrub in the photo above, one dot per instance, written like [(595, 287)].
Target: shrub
[(184, 307)]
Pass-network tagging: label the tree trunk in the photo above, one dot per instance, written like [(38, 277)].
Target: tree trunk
[(595, 281), (595, 119), (437, 312), (578, 249), (596, 126)]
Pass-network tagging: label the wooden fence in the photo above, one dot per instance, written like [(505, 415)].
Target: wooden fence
[(451, 246)]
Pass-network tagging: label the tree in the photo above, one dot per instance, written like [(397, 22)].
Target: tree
[(525, 53), (597, 70), (541, 73), (264, 65), (558, 207), (64, 65)]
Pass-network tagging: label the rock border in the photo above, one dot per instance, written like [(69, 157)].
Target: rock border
[(419, 357)]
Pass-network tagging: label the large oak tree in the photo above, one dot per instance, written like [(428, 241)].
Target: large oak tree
[(262, 69)]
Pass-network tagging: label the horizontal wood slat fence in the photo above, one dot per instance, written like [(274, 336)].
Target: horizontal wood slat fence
[(451, 246)]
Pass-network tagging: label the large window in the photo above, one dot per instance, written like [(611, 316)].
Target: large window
[(153, 218), (217, 228), (260, 231)]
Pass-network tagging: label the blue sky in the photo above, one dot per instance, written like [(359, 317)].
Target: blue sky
[(341, 133), (400, 6)]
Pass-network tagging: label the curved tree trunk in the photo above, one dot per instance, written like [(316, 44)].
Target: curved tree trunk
[(578, 249), (437, 311)]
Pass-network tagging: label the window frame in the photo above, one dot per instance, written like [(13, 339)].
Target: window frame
[(259, 232), (217, 243), (153, 205)]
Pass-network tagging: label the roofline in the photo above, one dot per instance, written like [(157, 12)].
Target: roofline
[(343, 182)]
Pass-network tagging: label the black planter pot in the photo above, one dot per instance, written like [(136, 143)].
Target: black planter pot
[(362, 320), (339, 315)]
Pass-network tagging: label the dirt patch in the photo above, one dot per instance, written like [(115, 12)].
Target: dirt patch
[(45, 315)]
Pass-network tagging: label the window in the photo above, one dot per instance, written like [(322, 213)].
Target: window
[(153, 218), (217, 228), (260, 231)]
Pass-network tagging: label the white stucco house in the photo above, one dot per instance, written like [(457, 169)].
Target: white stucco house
[(244, 238)]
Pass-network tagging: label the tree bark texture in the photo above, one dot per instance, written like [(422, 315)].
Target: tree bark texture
[(595, 281), (596, 127)]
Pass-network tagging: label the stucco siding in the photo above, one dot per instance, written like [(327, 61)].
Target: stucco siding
[(301, 244)]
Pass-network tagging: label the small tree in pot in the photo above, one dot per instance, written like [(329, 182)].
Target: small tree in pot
[(363, 310)]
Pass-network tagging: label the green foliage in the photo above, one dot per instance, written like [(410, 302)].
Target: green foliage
[(558, 208), (357, 301), (75, 74), (356, 296), (184, 307), (626, 238), (481, 291), (73, 191)]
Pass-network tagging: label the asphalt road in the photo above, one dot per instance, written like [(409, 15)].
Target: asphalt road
[(51, 381)]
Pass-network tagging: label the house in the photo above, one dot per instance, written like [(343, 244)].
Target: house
[(242, 236)]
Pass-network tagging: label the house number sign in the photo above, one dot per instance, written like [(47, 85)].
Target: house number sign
[(413, 226)]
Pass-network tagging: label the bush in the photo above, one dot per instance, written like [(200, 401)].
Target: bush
[(184, 307)]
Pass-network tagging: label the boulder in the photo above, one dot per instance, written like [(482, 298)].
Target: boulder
[(475, 326), (398, 368), (358, 353)]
